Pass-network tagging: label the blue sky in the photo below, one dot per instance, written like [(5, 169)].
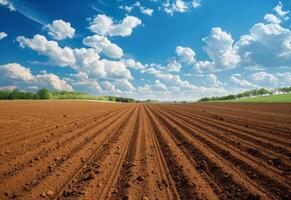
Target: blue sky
[(167, 50)]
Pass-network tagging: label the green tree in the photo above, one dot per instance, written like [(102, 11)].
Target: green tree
[(14, 94), (44, 94)]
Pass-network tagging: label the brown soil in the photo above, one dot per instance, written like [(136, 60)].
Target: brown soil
[(89, 150)]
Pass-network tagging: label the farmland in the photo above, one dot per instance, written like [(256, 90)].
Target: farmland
[(89, 150), (269, 98)]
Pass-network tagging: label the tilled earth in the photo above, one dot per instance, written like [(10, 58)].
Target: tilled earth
[(88, 150)]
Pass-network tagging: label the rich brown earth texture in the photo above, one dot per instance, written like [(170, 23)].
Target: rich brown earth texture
[(89, 150)]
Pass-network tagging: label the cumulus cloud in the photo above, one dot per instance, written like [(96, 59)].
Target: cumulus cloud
[(133, 64), (102, 44), (172, 66), (241, 82), (116, 69), (272, 79), (201, 66), (60, 30), (126, 8), (185, 54), (181, 6), (3, 35), (144, 10), (84, 59), (175, 6), (104, 25), (108, 87), (137, 4), (153, 90), (81, 82), (174, 80), (8, 3), (280, 12), (13, 74), (124, 85), (267, 45), (158, 86), (219, 47), (272, 19), (264, 77), (182, 89), (221, 50), (213, 80), (284, 78), (61, 56), (196, 3)]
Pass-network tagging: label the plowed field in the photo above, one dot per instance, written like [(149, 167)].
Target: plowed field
[(88, 150)]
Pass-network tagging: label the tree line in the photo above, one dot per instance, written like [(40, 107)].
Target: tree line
[(46, 94), (250, 93)]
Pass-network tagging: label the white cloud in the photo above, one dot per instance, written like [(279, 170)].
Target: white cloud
[(131, 63), (267, 45), (279, 11), (116, 69), (177, 89), (146, 11), (264, 77), (158, 86), (3, 35), (83, 59), (196, 3), (240, 82), (151, 69), (186, 54), (126, 8), (108, 87), (137, 4), (50, 81), (81, 82), (213, 80), (102, 44), (219, 47), (201, 66), (181, 6), (175, 6), (254, 68), (61, 56), (104, 25), (88, 61), (124, 85), (269, 79), (154, 90), (60, 30), (8, 3), (284, 78), (13, 74), (173, 66), (174, 80), (272, 19)]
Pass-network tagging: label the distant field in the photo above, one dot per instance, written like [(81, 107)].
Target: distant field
[(271, 98)]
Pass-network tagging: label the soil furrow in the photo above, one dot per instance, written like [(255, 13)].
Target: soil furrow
[(275, 188), (81, 150), (243, 134)]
